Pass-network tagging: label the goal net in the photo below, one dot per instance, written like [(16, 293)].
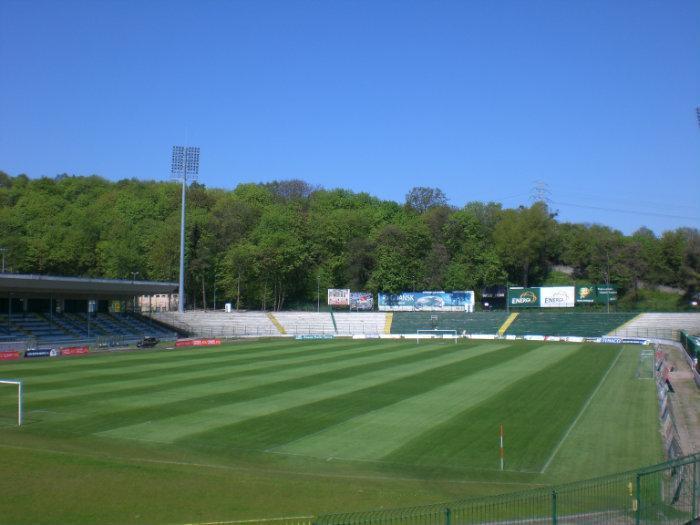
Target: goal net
[(450, 335), (11, 412), (645, 366)]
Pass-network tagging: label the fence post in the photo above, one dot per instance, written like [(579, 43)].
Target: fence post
[(638, 496), (554, 507), (448, 516), (694, 508)]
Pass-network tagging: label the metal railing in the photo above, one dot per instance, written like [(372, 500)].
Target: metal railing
[(648, 333), (664, 493)]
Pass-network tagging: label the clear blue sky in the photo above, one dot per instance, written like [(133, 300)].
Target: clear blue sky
[(479, 98)]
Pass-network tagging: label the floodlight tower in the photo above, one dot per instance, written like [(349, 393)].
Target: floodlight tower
[(185, 165)]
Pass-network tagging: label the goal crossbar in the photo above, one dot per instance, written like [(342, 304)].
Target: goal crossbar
[(17, 382)]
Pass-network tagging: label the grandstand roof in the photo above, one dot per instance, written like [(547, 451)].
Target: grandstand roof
[(78, 287)]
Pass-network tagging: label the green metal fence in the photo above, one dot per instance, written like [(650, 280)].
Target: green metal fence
[(665, 493)]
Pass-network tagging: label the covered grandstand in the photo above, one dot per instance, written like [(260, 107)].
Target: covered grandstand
[(51, 309)]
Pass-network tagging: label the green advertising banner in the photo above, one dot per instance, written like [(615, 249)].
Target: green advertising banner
[(596, 293), (519, 297), (606, 293)]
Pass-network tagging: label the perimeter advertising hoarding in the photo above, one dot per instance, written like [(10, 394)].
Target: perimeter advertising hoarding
[(361, 301), (557, 297), (75, 350), (197, 342), (41, 352), (338, 297), (9, 355), (596, 293), (519, 297), (426, 301)]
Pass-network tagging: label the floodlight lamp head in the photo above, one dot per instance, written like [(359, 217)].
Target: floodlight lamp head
[(185, 163)]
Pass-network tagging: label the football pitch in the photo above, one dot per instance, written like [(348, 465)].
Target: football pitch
[(290, 428)]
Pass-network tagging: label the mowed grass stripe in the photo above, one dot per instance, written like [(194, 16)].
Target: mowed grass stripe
[(166, 362), (535, 412), (377, 433), (621, 420), (93, 415), (295, 424), (215, 379), (125, 358), (224, 362), (299, 392)]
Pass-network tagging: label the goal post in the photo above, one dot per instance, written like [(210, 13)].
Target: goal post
[(436, 334), (18, 383)]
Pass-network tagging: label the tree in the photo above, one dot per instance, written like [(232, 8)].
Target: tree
[(422, 198), (521, 238)]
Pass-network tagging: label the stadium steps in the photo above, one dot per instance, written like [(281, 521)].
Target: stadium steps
[(298, 323), (623, 325), (56, 327), (507, 323), (462, 322), (661, 325), (275, 322), (389, 321), (217, 323), (355, 323), (567, 324)]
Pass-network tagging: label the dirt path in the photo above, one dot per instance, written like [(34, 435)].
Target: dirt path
[(686, 400)]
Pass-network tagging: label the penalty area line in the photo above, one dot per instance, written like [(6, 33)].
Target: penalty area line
[(582, 411)]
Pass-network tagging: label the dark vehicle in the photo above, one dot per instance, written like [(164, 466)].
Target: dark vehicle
[(147, 342)]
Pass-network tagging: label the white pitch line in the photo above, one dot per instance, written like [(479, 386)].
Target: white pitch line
[(583, 409), (233, 468), (262, 520)]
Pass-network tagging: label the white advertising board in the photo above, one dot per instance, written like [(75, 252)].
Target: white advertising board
[(557, 297), (338, 297)]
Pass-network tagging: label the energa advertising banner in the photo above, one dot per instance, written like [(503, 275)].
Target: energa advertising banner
[(361, 301), (427, 301), (557, 296), (520, 297), (338, 297)]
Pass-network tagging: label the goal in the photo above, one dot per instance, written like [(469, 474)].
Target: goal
[(7, 384), (436, 334)]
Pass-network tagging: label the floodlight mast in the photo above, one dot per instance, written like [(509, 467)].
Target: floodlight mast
[(185, 164)]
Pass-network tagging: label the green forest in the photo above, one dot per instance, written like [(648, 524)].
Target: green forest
[(272, 245)]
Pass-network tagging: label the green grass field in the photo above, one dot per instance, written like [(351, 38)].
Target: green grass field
[(292, 428)]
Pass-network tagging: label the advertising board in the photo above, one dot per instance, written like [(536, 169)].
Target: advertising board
[(198, 342), (596, 293), (361, 301), (520, 297), (427, 301), (9, 355), (338, 297), (75, 350), (557, 297), (41, 352)]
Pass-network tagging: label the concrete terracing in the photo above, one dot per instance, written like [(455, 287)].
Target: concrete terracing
[(660, 325)]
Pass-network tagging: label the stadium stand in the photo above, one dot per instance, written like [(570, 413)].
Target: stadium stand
[(220, 324), (470, 323), (297, 323), (74, 327), (236, 324), (660, 325), (350, 323), (574, 324)]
